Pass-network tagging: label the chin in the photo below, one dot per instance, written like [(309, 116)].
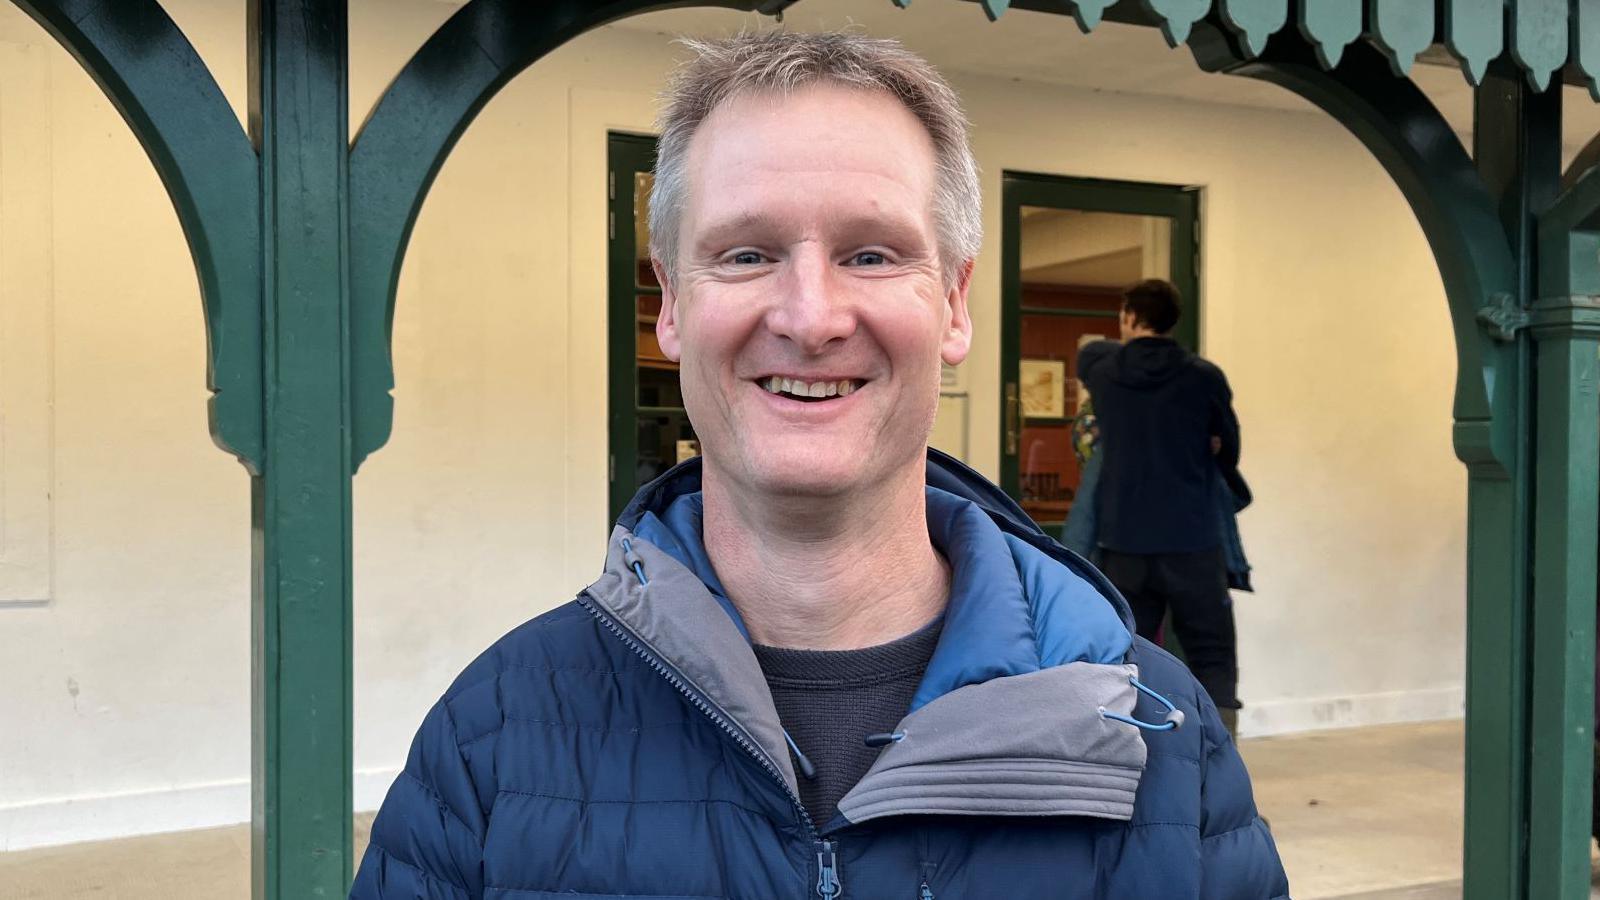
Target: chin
[(805, 475), (807, 484)]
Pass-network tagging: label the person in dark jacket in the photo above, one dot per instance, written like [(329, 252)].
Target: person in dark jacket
[(821, 660), (1171, 445)]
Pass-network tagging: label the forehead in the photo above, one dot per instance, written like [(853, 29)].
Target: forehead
[(822, 144)]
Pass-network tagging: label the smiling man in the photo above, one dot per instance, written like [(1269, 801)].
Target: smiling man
[(823, 660)]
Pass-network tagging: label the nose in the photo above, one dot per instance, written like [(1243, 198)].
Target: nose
[(812, 307)]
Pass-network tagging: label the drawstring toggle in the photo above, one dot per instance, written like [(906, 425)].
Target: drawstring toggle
[(633, 561), (1174, 714)]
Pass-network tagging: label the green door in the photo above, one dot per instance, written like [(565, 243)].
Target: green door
[(1069, 247), (649, 429)]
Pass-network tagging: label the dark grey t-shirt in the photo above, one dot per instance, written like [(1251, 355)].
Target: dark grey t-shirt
[(830, 700)]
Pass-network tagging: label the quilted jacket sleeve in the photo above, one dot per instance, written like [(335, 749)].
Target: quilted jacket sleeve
[(427, 841), (1238, 857)]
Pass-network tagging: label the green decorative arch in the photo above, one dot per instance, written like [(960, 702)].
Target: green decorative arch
[(404, 142), (1402, 129), (154, 78), (1489, 290)]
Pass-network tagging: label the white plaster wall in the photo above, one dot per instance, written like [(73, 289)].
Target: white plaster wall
[(125, 706), (132, 682)]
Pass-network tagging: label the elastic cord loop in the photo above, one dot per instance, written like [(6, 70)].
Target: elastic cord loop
[(1174, 714)]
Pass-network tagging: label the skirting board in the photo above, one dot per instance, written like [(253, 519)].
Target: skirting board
[(99, 818), (106, 817), (1319, 713)]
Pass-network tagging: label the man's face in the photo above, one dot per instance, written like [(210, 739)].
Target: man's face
[(809, 264)]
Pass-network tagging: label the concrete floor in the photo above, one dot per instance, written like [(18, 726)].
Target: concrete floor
[(1362, 814)]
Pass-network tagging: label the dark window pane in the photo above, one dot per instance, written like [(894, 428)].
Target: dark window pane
[(664, 441)]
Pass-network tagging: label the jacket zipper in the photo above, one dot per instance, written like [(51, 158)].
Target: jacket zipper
[(829, 886)]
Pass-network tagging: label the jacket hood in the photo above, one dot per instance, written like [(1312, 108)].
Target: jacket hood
[(1149, 362), (945, 474), (1009, 717)]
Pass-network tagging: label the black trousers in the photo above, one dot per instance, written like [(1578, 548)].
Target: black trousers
[(1194, 586)]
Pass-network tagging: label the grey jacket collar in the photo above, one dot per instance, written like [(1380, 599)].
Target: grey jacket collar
[(1033, 744), (683, 626)]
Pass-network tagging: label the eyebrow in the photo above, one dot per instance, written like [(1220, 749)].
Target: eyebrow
[(743, 223)]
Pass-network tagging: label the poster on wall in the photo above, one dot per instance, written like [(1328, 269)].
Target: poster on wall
[(1044, 389)]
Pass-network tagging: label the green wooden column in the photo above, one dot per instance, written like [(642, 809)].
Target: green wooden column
[(1517, 151), (300, 508), (1567, 333), (1565, 324)]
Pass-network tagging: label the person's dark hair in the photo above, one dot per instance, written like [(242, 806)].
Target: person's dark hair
[(1155, 304)]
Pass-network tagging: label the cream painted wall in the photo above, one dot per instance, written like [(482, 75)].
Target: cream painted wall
[(125, 703), (126, 699)]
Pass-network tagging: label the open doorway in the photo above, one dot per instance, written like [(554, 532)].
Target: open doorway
[(1069, 248), (649, 427)]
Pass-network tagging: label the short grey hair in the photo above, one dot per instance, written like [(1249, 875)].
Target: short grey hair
[(781, 62)]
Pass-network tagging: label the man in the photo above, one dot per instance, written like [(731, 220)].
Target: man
[(1171, 441), (822, 661)]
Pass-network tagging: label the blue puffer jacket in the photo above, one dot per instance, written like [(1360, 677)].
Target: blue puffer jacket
[(625, 745)]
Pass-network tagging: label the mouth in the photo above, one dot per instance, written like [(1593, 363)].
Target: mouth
[(810, 391)]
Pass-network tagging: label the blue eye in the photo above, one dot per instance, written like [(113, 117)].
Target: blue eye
[(868, 258), (747, 258)]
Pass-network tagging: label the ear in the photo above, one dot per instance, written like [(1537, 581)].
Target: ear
[(958, 331), (667, 322)]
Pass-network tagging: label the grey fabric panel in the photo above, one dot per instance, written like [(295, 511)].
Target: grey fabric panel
[(997, 787), (678, 619), (1031, 744)]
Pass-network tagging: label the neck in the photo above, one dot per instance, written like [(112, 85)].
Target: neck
[(810, 572)]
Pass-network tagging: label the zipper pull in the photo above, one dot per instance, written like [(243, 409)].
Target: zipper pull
[(828, 884), (926, 893)]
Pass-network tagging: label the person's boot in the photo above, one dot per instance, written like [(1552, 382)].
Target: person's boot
[(1230, 721)]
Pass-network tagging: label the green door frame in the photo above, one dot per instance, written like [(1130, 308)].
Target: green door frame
[(1179, 203), (626, 156), (298, 235)]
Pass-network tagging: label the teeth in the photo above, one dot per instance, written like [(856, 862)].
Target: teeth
[(777, 384)]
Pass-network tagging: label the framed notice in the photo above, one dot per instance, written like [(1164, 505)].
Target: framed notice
[(1044, 389)]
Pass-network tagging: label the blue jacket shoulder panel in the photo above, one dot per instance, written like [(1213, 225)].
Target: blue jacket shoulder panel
[(428, 838), (1237, 854)]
